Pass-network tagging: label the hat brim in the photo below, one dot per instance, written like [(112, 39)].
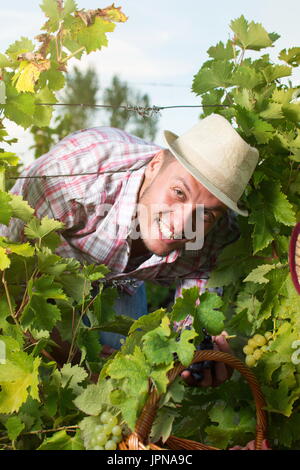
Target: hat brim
[(170, 137)]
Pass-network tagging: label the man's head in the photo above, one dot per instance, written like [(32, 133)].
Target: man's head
[(168, 202), (208, 166)]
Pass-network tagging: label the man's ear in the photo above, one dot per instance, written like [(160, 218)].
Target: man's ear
[(154, 165)]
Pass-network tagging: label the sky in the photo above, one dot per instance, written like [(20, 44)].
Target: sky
[(160, 48)]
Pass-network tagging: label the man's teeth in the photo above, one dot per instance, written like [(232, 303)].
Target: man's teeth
[(164, 230)]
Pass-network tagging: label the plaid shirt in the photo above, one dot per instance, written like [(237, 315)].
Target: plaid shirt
[(107, 167)]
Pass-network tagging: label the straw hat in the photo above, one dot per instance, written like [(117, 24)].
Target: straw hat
[(215, 154)]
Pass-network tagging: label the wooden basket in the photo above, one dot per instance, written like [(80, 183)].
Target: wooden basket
[(139, 439)]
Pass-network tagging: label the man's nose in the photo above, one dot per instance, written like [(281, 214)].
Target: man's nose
[(187, 220)]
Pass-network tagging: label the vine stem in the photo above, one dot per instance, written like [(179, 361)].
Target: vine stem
[(72, 55), (44, 431), (9, 301)]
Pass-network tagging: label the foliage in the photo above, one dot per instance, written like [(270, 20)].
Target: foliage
[(46, 403), (258, 291)]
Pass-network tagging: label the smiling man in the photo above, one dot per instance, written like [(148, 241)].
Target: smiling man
[(144, 211)]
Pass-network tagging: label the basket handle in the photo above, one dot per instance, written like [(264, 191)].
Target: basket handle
[(145, 421)]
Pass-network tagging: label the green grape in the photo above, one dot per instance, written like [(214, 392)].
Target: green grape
[(107, 428), (98, 448), (93, 441), (116, 439), (268, 335), (98, 428), (116, 430), (248, 350), (260, 340), (250, 361), (105, 417), (110, 445), (113, 420), (252, 343), (257, 354), (264, 348), (101, 438)]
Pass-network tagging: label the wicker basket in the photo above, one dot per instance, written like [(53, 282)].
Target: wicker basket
[(138, 440)]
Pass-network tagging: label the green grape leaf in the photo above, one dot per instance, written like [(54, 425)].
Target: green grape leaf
[(247, 77), (8, 159), (162, 425), (22, 249), (157, 344), (132, 367), (72, 376), (222, 52), (20, 47), (292, 111), (232, 427), (91, 37), (148, 322), (14, 427), (218, 74), (277, 203), (104, 305), (42, 115), (250, 35), (4, 61), (86, 400), (41, 228), (20, 208), (5, 208), (19, 108), (4, 259), (93, 273), (258, 274), (160, 378), (186, 304), (18, 378), (185, 347), (291, 56), (207, 314), (62, 441), (40, 315), (273, 72)]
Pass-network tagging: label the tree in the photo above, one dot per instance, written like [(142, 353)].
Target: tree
[(120, 94)]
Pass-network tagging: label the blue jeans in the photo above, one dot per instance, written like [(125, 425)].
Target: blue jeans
[(133, 306)]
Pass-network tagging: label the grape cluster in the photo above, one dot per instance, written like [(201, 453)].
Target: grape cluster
[(107, 434), (197, 369), (255, 347)]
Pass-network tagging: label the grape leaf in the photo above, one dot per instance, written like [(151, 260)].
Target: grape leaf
[(160, 378), (221, 52), (20, 208), (162, 425), (5, 208), (14, 427), (4, 259), (40, 228), (62, 441), (247, 77), (207, 316), (258, 274), (91, 37), (250, 35), (42, 115), (18, 379), (219, 74), (291, 56), (148, 322), (72, 376), (86, 400), (20, 47), (19, 108), (186, 304), (277, 203), (40, 315), (8, 159)]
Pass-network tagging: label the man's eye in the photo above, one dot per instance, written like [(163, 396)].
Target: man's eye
[(179, 193), (208, 216)]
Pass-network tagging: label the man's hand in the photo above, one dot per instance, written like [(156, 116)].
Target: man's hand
[(221, 373), (251, 446)]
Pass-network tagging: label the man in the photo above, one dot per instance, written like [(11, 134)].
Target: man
[(135, 206)]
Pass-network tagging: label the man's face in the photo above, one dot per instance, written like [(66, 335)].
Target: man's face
[(167, 206)]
